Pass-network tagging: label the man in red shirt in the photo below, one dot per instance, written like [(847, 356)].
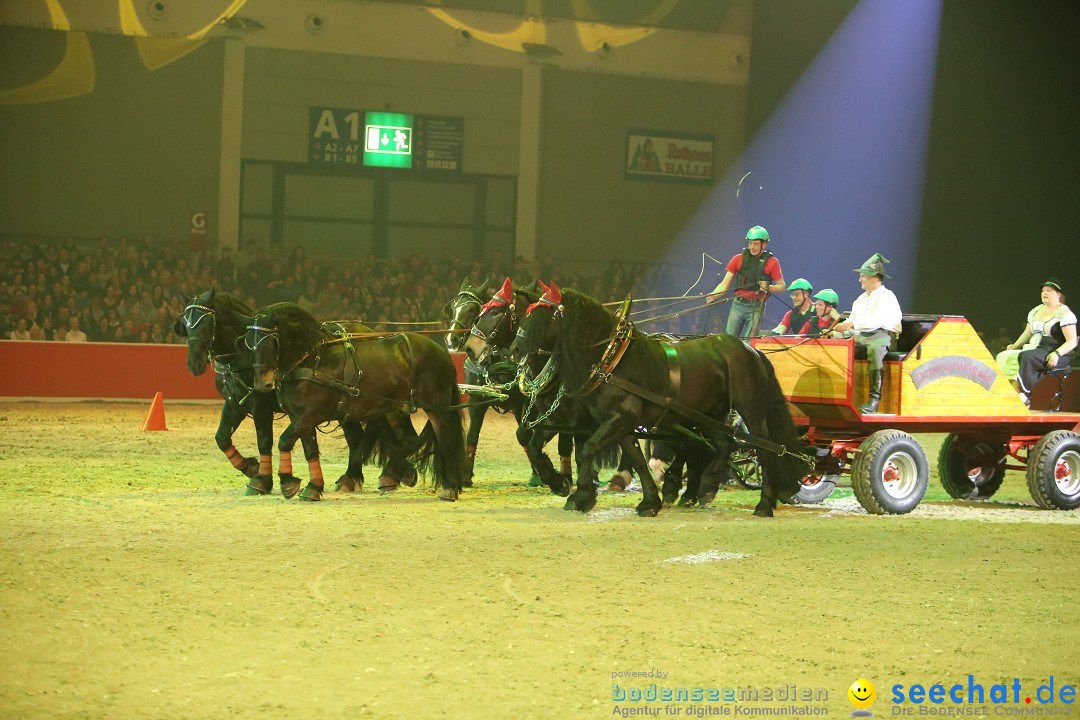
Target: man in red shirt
[(757, 274)]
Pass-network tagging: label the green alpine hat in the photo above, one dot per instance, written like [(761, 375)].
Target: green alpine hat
[(1052, 282), (874, 265)]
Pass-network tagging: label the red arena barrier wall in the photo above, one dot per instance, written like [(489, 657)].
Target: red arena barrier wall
[(107, 370)]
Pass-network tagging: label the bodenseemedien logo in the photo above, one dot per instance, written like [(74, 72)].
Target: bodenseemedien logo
[(862, 695)]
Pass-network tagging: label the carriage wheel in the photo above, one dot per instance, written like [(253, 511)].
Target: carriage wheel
[(890, 473), (743, 463), (745, 468), (814, 489), (972, 471), (1053, 471)]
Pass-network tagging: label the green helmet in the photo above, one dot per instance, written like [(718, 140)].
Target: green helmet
[(801, 284), (757, 233), (829, 296)]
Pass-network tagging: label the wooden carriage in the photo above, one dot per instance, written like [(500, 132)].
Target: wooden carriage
[(941, 379)]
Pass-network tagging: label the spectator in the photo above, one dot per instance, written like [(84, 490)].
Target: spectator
[(74, 334), (21, 332)]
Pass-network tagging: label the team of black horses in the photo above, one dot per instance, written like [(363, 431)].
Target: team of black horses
[(560, 361)]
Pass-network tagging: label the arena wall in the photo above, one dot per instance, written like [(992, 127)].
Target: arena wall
[(114, 371), (589, 208)]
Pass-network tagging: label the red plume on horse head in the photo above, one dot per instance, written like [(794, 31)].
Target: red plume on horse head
[(552, 296), (504, 297)]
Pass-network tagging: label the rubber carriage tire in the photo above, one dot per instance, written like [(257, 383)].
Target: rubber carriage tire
[(868, 471), (816, 492), (956, 478), (1053, 471)]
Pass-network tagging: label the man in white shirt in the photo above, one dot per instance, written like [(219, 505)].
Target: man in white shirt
[(75, 334), (874, 323)]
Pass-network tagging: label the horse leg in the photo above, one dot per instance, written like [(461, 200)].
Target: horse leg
[(710, 479), (623, 475), (672, 479), (541, 464), (398, 440), (360, 440), (566, 447), (313, 491), (583, 499), (477, 411), (290, 484), (449, 458), (697, 461), (650, 502), (770, 470), (262, 413), (231, 417), (532, 442)]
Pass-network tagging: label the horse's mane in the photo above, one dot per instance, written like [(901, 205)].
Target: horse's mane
[(229, 326), (580, 344), (227, 302), (586, 322), (298, 331)]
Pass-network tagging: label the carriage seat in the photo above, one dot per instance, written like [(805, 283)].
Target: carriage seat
[(912, 330)]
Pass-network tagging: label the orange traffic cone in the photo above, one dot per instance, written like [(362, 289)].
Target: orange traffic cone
[(155, 417)]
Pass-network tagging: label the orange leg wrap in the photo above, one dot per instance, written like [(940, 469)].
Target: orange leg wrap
[(315, 472), (285, 463), (265, 466), (234, 456)]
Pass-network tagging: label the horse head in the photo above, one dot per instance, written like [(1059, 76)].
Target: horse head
[(263, 341), (541, 324), (198, 323), (495, 325), (463, 311)]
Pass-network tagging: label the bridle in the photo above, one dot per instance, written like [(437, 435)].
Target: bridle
[(268, 333), (510, 316), (556, 315), (207, 312), (457, 306)]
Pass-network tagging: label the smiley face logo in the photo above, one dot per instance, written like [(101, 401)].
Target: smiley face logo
[(862, 693)]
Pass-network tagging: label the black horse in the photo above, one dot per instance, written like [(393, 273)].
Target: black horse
[(602, 358), (213, 323), (209, 323), (328, 376), (500, 314)]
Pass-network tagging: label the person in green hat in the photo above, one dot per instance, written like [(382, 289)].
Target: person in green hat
[(759, 275), (825, 314), (802, 308), (1047, 341), (874, 324)]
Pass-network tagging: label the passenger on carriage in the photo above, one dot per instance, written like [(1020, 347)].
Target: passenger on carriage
[(802, 309), (874, 323), (825, 314), (1047, 342)]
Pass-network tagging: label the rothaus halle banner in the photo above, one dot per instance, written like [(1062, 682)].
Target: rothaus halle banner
[(653, 155)]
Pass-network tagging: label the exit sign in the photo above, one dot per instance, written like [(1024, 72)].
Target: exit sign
[(388, 139), (348, 137)]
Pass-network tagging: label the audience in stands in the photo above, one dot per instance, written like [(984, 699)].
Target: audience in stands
[(130, 291)]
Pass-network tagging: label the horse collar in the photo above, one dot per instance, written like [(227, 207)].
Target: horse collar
[(613, 353)]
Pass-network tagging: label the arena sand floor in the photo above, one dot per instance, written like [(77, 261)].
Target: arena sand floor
[(136, 581)]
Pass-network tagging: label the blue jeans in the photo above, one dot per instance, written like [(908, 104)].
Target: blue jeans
[(744, 319)]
